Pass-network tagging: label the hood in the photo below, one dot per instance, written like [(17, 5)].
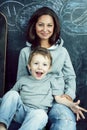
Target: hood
[(52, 47)]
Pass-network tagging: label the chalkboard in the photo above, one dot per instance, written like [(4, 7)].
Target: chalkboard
[(74, 28), (73, 20)]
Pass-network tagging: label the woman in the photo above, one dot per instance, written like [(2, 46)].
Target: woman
[(44, 31)]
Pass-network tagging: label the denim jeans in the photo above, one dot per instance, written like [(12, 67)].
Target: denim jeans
[(61, 118), (12, 107)]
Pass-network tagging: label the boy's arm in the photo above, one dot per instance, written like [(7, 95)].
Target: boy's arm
[(74, 106)]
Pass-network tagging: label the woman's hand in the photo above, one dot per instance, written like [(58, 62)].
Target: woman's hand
[(78, 110), (74, 106)]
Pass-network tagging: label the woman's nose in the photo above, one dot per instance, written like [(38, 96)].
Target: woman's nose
[(45, 28)]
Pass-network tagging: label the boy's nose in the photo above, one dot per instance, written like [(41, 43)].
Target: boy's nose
[(39, 67)]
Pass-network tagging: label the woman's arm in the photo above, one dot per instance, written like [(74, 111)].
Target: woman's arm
[(69, 77), (22, 63)]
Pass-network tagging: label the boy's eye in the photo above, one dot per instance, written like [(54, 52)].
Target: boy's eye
[(45, 64), (36, 63)]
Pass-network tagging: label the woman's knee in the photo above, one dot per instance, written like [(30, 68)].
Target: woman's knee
[(61, 117), (61, 112)]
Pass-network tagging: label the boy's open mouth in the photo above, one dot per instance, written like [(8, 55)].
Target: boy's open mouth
[(39, 74)]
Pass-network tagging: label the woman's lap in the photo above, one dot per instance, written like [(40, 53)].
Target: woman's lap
[(61, 118)]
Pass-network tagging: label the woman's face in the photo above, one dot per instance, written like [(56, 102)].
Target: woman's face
[(45, 27)]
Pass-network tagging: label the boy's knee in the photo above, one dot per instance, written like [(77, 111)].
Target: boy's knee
[(41, 115), (11, 95)]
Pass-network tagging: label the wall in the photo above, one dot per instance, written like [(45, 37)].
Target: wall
[(73, 19)]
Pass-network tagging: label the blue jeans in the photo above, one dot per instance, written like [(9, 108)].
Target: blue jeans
[(12, 107), (61, 118)]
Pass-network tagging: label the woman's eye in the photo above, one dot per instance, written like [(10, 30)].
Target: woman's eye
[(40, 25), (50, 25)]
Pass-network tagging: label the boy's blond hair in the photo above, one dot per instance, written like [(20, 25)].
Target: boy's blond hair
[(42, 51)]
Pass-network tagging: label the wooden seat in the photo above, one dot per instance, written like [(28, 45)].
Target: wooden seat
[(3, 45)]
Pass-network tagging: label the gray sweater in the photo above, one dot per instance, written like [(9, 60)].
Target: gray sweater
[(38, 93)]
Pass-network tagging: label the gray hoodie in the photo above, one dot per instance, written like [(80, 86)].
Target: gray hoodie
[(62, 67)]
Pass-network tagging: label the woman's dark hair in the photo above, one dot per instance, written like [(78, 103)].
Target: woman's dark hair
[(32, 37)]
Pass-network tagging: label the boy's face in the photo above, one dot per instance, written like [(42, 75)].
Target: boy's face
[(39, 66)]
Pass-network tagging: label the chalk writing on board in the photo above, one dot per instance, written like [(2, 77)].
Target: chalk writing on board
[(25, 13), (74, 17), (10, 9)]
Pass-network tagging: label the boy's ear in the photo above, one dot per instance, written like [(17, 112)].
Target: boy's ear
[(49, 69), (28, 66)]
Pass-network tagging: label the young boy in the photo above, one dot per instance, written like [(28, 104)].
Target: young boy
[(29, 99)]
